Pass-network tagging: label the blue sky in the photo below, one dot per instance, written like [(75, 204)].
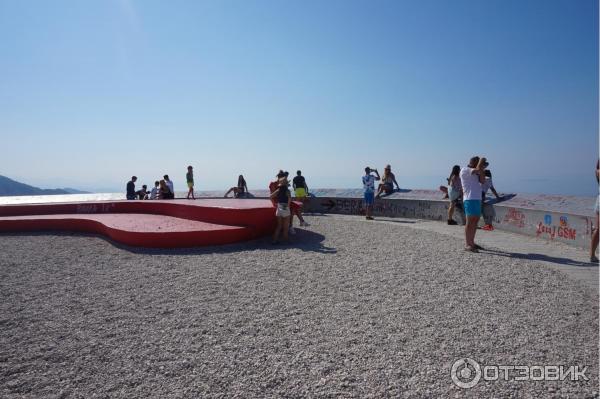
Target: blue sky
[(92, 92)]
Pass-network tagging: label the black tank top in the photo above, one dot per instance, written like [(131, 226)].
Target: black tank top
[(282, 195)]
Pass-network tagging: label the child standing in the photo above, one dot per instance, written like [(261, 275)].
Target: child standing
[(189, 177)]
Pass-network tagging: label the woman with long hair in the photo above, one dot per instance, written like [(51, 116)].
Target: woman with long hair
[(240, 190), (164, 192), (283, 199), (454, 192), (387, 182)]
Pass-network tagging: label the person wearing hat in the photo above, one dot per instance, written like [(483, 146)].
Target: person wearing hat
[(189, 177), (472, 177), (295, 207)]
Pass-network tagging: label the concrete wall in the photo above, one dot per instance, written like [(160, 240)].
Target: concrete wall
[(555, 218), (552, 226)]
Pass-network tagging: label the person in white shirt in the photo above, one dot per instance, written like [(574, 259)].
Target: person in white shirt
[(472, 178), (368, 181), (154, 192)]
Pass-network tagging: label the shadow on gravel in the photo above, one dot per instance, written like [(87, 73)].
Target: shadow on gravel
[(541, 257), (378, 219), (304, 240), (362, 217)]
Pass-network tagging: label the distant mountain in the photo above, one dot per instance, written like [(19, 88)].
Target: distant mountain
[(73, 190), (10, 187)]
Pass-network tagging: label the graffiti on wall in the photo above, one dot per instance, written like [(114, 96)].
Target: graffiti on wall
[(514, 217), (408, 209), (94, 208), (550, 230)]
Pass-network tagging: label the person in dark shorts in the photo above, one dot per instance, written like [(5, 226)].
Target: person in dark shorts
[(368, 181), (130, 194)]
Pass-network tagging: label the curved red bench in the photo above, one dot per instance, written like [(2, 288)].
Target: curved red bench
[(166, 224)]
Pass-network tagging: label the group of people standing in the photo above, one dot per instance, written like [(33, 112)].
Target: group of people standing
[(472, 179), (286, 209), (467, 188), (454, 193)]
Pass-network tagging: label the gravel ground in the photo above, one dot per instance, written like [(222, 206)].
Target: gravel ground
[(350, 309)]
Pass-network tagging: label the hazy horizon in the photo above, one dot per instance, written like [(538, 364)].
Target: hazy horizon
[(540, 186)]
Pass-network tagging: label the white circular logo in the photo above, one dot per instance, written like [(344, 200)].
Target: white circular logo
[(466, 373)]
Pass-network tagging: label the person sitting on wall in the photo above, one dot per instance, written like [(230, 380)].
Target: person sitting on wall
[(155, 189), (489, 213), (130, 194), (241, 190), (143, 193), (387, 182), (169, 183), (164, 192)]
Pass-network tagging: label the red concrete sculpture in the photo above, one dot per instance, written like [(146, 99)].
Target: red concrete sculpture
[(160, 224)]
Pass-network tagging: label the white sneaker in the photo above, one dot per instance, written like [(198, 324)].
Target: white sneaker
[(292, 230), (304, 224)]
